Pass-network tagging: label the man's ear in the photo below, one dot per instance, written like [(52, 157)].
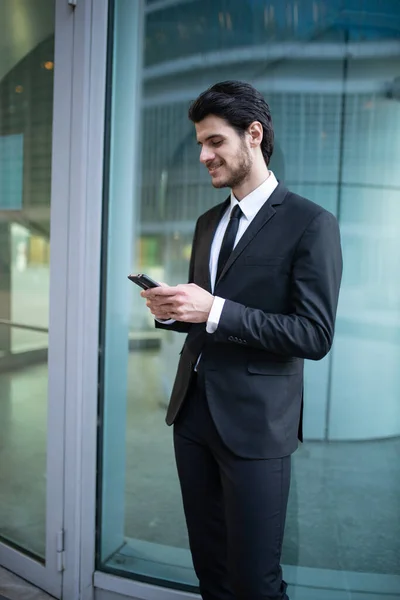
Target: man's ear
[(256, 132)]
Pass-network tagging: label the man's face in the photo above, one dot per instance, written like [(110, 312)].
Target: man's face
[(224, 152)]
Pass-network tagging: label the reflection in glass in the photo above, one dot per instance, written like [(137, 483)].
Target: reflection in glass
[(26, 103), (329, 72)]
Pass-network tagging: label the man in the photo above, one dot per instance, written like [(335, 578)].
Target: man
[(262, 295)]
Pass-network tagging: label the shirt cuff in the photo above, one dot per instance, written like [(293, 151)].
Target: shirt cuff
[(215, 314), (167, 322)]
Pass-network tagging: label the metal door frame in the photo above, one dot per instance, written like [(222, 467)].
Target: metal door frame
[(48, 576)]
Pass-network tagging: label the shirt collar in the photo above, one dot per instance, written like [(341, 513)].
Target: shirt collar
[(251, 204)]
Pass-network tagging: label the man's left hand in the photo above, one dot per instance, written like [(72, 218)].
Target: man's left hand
[(185, 302)]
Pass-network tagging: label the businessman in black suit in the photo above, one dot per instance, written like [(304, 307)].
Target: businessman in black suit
[(263, 288)]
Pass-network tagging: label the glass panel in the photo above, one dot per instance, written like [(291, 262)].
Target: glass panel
[(26, 101), (330, 73)]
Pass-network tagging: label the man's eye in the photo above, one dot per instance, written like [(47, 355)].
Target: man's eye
[(215, 144)]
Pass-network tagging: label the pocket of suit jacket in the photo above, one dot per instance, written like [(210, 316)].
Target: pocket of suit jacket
[(287, 367)]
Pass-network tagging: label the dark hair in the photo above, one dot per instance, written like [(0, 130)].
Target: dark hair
[(239, 104)]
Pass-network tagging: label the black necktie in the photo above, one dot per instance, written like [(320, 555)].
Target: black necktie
[(229, 239)]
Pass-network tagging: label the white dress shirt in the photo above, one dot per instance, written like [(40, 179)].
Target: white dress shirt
[(250, 206)]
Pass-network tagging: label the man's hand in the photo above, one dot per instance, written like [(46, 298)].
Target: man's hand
[(186, 302)]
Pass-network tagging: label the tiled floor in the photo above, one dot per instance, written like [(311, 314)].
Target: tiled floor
[(344, 504)]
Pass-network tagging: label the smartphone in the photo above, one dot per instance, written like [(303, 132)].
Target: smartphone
[(143, 281)]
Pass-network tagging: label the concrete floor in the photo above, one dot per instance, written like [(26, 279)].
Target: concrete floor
[(14, 588), (345, 497), (23, 425)]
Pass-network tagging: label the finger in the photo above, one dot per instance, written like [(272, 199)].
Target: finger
[(160, 291), (160, 304), (144, 293), (166, 307)]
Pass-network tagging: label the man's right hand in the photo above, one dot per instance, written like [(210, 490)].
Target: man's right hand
[(187, 302), (158, 304)]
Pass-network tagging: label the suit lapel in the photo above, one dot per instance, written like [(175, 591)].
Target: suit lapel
[(264, 215)]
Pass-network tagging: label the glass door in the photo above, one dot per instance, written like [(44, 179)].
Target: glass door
[(36, 41), (330, 73)]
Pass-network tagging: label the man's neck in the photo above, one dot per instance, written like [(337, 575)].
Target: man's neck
[(251, 184)]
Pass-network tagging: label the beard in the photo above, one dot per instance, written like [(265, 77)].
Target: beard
[(239, 173)]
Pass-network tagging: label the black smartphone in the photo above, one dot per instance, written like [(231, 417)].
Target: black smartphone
[(143, 281)]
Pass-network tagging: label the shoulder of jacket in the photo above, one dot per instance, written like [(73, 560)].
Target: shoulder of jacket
[(307, 207), (213, 211)]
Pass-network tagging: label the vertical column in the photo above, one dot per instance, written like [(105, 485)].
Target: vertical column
[(5, 286), (124, 200)]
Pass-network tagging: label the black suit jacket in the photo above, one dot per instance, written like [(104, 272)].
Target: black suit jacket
[(281, 285)]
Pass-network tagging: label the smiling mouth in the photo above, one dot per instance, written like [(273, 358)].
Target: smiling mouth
[(212, 170)]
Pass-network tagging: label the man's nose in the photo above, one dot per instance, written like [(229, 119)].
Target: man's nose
[(206, 155)]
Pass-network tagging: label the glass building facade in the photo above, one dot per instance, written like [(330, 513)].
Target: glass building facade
[(100, 177)]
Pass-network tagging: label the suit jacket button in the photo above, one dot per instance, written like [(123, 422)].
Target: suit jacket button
[(230, 339)]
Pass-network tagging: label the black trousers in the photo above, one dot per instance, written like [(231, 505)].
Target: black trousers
[(235, 509)]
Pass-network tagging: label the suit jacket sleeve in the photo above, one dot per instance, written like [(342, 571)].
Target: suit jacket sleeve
[(179, 326), (307, 332)]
